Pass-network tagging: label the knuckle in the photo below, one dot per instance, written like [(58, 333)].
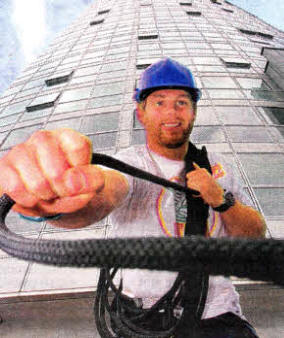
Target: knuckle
[(38, 186), (39, 136)]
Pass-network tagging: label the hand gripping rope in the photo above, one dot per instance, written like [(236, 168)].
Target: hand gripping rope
[(257, 259)]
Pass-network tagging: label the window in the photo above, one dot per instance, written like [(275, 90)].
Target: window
[(193, 13), (207, 135), (274, 114), (103, 11), (148, 37), (103, 140), (76, 94), (265, 35), (251, 83), (263, 168), (228, 10), (99, 123), (237, 115), (216, 2), (58, 79), (218, 82), (271, 200), (245, 134), (235, 63), (185, 3), (96, 22), (261, 34), (42, 102), (143, 65)]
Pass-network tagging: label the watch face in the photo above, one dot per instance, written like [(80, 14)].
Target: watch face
[(229, 202), (229, 199)]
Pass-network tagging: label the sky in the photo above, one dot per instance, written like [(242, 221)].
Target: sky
[(28, 26)]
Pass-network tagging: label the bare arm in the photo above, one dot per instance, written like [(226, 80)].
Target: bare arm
[(240, 220), (51, 173)]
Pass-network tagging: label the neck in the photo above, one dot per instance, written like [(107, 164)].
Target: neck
[(176, 154)]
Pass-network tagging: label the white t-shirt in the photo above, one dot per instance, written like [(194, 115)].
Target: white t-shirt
[(150, 210)]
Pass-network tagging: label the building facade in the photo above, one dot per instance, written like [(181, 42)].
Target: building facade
[(85, 81)]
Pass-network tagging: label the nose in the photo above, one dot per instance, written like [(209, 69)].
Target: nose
[(171, 108)]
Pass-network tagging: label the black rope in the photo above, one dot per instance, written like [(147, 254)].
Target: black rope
[(257, 259)]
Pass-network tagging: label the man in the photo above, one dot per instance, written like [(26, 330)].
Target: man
[(50, 175)]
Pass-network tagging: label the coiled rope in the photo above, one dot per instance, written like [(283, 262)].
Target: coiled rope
[(257, 259)]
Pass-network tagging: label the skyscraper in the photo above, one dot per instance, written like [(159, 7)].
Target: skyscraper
[(85, 81)]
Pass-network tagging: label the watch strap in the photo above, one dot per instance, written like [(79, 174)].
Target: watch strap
[(229, 201)]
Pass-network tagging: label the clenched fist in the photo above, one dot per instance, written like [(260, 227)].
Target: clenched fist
[(50, 173)]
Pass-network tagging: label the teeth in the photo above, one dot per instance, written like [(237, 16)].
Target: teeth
[(171, 124)]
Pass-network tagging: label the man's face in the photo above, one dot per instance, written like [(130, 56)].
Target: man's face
[(168, 116)]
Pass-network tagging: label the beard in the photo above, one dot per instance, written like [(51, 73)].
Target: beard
[(175, 141)]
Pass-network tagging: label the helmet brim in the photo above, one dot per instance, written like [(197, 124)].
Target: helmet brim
[(195, 93)]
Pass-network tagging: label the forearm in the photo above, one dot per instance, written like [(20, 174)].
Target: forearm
[(102, 204), (243, 221)]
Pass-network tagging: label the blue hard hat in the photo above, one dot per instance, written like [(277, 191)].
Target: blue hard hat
[(165, 74)]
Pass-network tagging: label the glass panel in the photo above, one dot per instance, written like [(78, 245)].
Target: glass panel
[(279, 134), (205, 116), (225, 94), (271, 200), (207, 135), (42, 102), (77, 94), (58, 79), (275, 114), (249, 134), (36, 114), (15, 108), (86, 71), (238, 115), (71, 106), (218, 82), (108, 89), (210, 68), (8, 120), (67, 123), (20, 135), (105, 101), (99, 123), (268, 95), (248, 83), (113, 66), (206, 61), (264, 168), (138, 137), (101, 141)]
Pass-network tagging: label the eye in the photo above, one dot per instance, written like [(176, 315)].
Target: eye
[(159, 103), (182, 103)]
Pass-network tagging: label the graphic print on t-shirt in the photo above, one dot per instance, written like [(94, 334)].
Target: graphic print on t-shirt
[(180, 211)]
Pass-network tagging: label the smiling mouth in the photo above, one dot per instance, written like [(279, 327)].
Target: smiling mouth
[(171, 125)]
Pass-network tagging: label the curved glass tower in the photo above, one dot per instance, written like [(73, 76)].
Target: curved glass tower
[(85, 81)]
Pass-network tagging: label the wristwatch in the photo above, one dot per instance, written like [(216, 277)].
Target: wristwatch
[(229, 201)]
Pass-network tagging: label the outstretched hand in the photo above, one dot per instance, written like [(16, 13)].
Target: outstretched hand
[(50, 173)]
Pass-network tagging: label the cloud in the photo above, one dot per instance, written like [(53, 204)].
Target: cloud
[(29, 19)]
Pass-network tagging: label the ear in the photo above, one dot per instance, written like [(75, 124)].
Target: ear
[(140, 111)]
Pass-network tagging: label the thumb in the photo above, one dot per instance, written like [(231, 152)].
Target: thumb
[(196, 166)]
